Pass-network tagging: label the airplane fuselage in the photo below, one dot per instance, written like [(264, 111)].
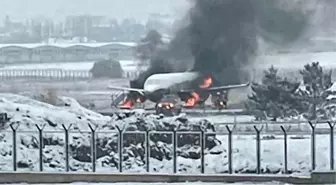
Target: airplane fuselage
[(157, 85), (192, 87)]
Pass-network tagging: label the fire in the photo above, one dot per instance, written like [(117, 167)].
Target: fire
[(127, 104), (139, 100), (207, 82), (193, 100)]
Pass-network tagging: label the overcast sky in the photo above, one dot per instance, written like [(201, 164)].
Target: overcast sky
[(58, 9)]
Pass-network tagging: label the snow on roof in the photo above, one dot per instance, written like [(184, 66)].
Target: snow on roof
[(67, 45)]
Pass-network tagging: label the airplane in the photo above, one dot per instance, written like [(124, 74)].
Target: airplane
[(192, 87)]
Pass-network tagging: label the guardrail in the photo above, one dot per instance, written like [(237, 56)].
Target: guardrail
[(52, 74), (145, 138), (193, 112)]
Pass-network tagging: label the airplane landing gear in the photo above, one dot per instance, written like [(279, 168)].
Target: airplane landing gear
[(219, 100)]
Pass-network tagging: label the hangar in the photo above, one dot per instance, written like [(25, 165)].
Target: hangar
[(42, 52)]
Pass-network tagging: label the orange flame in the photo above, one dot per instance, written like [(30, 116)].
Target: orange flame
[(193, 100), (127, 104), (207, 82), (139, 100)]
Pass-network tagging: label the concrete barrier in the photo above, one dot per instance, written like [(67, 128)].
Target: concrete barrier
[(69, 177), (323, 177)]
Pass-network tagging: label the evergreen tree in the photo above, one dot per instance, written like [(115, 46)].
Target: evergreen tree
[(275, 97), (316, 83), (148, 46)]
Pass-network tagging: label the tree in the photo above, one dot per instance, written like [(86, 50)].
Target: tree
[(316, 83), (148, 46), (275, 97), (107, 68)]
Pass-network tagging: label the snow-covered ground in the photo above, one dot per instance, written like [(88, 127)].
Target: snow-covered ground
[(26, 112), (296, 60), (83, 90), (87, 92)]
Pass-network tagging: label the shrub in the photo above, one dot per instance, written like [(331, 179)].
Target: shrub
[(107, 68)]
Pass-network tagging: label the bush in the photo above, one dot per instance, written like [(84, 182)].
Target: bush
[(48, 95), (107, 68)]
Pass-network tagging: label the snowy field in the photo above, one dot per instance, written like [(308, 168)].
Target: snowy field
[(26, 112), (85, 91), (286, 61), (297, 60), (95, 92)]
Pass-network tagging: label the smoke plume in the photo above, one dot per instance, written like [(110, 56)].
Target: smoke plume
[(220, 37), (223, 37)]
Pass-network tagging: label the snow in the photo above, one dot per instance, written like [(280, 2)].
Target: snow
[(224, 119), (28, 112), (18, 107), (332, 88), (296, 60)]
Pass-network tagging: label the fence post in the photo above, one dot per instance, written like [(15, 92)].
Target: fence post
[(93, 146), (14, 128), (40, 130), (66, 132), (202, 143), (332, 126), (313, 145), (285, 147), (230, 147), (258, 130), (174, 150), (120, 148), (147, 149)]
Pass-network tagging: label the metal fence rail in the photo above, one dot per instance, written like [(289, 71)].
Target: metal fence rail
[(54, 74), (144, 137)]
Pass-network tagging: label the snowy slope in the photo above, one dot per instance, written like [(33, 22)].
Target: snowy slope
[(30, 112), (27, 112)]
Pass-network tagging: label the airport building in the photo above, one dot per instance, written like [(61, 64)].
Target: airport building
[(65, 52)]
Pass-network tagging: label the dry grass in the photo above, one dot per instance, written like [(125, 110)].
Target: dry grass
[(48, 95)]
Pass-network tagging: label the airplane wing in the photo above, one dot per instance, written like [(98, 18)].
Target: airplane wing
[(140, 91), (227, 87), (221, 88)]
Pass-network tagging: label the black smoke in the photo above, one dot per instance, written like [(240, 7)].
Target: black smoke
[(223, 37), (220, 37)]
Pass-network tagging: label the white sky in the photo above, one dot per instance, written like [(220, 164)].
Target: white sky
[(58, 9)]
